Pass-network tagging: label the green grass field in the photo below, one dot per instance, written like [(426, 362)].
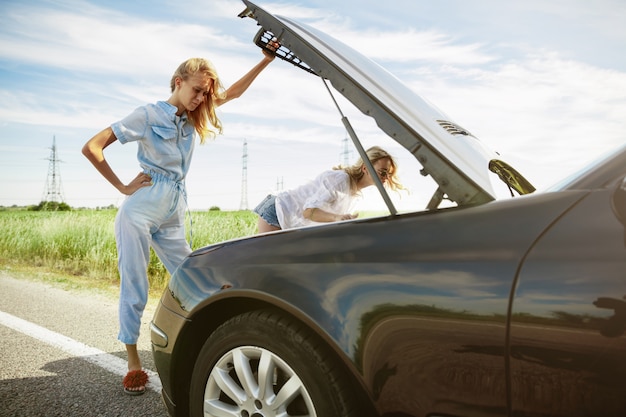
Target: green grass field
[(81, 243)]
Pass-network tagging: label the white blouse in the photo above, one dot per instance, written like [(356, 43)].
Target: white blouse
[(330, 192)]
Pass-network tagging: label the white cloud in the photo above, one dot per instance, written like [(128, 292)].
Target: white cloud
[(412, 46), (101, 41), (538, 91)]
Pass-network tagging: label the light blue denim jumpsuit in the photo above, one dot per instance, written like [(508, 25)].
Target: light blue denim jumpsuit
[(154, 215)]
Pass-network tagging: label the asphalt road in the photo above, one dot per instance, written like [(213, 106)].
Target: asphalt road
[(59, 354)]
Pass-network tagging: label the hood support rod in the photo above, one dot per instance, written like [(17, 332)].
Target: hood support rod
[(363, 154)]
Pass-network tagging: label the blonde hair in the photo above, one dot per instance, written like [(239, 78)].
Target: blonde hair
[(204, 115), (374, 154)]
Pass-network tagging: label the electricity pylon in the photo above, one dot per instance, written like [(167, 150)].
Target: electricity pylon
[(244, 178), (53, 191), (345, 154)]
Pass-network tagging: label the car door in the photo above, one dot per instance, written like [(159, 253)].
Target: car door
[(567, 339), (433, 312)]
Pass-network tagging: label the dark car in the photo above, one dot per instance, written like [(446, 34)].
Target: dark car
[(485, 307)]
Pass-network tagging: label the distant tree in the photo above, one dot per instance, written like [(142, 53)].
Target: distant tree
[(109, 207), (214, 208), (51, 206)]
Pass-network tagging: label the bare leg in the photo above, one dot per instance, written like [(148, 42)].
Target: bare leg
[(134, 363), (135, 381), (263, 226)]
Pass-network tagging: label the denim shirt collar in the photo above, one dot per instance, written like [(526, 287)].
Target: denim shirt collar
[(170, 111)]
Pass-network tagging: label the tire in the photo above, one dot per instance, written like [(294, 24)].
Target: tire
[(263, 349)]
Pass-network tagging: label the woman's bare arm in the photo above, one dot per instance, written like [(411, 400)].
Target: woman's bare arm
[(94, 151)]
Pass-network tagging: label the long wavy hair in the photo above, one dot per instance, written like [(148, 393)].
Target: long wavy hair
[(374, 154), (203, 118)]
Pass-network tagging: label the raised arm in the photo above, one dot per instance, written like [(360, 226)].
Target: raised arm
[(241, 85), (323, 216)]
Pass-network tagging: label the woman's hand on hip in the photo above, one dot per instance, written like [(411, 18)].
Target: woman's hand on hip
[(141, 180)]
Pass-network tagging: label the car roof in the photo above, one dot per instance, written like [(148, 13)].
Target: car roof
[(452, 156)]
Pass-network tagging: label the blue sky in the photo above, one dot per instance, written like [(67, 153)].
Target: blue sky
[(541, 82)]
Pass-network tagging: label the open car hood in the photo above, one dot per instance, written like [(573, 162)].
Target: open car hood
[(453, 157)]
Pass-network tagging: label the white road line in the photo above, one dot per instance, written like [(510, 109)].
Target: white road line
[(95, 356)]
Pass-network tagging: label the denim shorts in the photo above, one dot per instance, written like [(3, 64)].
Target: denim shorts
[(267, 210)]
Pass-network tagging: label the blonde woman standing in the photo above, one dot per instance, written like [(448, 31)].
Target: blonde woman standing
[(154, 211)]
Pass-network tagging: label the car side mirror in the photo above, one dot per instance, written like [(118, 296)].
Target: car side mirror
[(615, 325)]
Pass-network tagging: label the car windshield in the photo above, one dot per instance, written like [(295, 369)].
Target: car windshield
[(607, 162)]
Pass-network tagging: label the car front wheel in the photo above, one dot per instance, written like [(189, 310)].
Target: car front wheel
[(262, 364)]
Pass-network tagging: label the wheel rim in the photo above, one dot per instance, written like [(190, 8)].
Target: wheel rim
[(250, 381)]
